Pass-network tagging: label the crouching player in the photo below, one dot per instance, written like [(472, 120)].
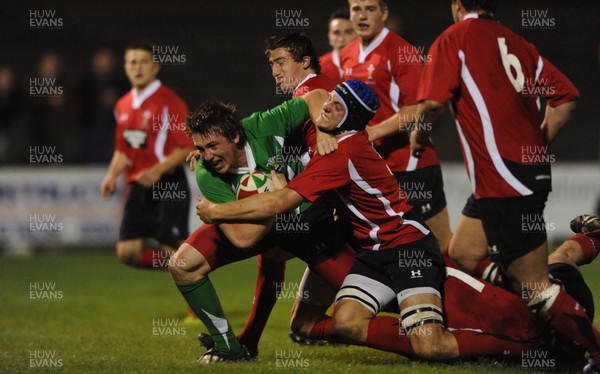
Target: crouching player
[(386, 230)]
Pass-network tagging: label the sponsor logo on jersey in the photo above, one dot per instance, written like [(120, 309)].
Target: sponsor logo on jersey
[(135, 138)]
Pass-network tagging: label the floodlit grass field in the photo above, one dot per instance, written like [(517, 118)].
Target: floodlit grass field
[(91, 314)]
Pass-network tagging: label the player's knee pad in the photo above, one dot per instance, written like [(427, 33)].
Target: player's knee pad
[(542, 301), (419, 315), (355, 294)]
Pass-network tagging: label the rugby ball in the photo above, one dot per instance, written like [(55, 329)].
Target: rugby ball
[(253, 183)]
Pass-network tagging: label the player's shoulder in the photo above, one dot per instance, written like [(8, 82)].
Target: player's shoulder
[(320, 81), (124, 101), (351, 50), (394, 39), (353, 140), (205, 176), (168, 93), (327, 57)]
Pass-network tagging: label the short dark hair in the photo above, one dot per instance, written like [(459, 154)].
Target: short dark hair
[(342, 13), (216, 118), (485, 5), (299, 46), (382, 4), (141, 44)]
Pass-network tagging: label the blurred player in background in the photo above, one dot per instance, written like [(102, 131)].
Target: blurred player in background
[(391, 66), (341, 33), (494, 79), (150, 147)]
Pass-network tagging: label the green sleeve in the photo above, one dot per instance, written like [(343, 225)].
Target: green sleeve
[(279, 121), (212, 187)]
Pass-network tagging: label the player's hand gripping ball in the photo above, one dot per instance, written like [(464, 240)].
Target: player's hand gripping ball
[(253, 183)]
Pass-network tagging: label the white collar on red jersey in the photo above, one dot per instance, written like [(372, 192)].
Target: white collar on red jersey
[(138, 99), (311, 75), (335, 58), (346, 135), (362, 56), (471, 15)]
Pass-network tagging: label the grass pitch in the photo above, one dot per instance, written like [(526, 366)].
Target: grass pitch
[(87, 313)]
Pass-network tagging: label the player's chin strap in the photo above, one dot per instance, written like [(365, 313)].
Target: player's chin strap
[(419, 315)]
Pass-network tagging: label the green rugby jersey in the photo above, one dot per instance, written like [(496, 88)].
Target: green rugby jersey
[(265, 134)]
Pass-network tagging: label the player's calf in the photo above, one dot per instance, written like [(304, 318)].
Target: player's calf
[(351, 320), (188, 265)]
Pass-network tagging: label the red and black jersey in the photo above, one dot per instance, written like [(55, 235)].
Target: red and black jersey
[(368, 190), (494, 79), (391, 67), (331, 67), (150, 125)]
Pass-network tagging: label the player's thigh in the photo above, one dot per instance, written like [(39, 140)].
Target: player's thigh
[(468, 244), (218, 251), (440, 225), (188, 259)]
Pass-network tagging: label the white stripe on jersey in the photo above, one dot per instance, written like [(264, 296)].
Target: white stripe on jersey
[(335, 58), (394, 93), (363, 185), (412, 163), (465, 278), (538, 71), (416, 225), (488, 130), (161, 138), (466, 149), (374, 227), (362, 56)]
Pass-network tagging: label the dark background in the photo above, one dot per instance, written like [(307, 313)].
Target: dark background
[(223, 44)]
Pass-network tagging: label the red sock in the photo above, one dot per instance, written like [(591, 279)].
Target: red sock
[(323, 330), (153, 259), (473, 344), (386, 334), (270, 274), (590, 247), (569, 319)]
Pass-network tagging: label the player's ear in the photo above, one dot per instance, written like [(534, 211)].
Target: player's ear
[(305, 62), (236, 140), (385, 13), (155, 69)]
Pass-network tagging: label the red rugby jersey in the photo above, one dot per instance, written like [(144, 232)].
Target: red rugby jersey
[(391, 67), (495, 78), (368, 190), (150, 125), (331, 67)]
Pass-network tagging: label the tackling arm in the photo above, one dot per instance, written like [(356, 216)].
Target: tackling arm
[(399, 122), (256, 207)]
